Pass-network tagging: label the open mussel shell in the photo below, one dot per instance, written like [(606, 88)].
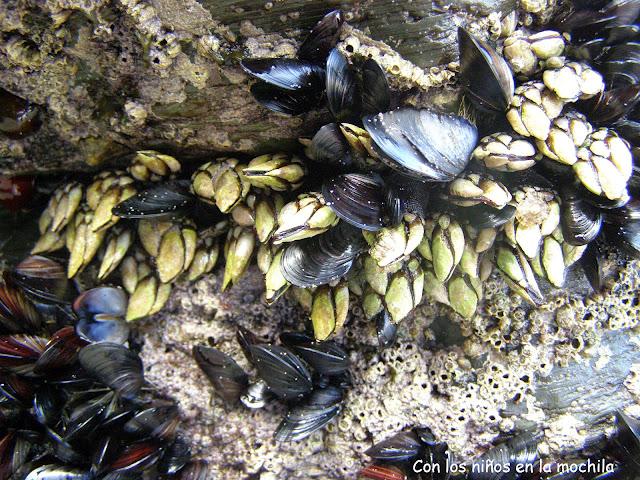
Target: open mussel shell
[(101, 313), (376, 96), (343, 92), (323, 258), (328, 146), (357, 199), (423, 143), (401, 447), (322, 38), (228, 378), (485, 75), (168, 199), (311, 415), (284, 372), (43, 279), (579, 220), (288, 102), (285, 73), (114, 365)]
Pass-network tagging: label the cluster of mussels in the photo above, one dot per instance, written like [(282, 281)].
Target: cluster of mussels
[(398, 201), (310, 376), (416, 455), (73, 400)]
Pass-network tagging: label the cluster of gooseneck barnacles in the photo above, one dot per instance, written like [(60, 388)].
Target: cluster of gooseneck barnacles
[(73, 400), (388, 203)]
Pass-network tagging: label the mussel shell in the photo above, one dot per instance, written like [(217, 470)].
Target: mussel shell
[(343, 93), (168, 199), (401, 447), (592, 263), (376, 96), (485, 75), (287, 102), (322, 38), (630, 131), (483, 216), (284, 372), (329, 146), (423, 144), (579, 220), (245, 339), (358, 199), (114, 365), (326, 358), (405, 195), (626, 237), (157, 422), (18, 117), (47, 405), (630, 212), (621, 66), (386, 329), (17, 314), (43, 279), (521, 450), (57, 472), (195, 470), (323, 258), (627, 438), (135, 457), (101, 313), (610, 105), (227, 377), (286, 73), (177, 455), (61, 350), (311, 415)]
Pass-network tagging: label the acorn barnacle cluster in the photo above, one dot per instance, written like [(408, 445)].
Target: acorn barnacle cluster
[(74, 403)]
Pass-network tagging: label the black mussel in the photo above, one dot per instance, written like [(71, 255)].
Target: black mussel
[(43, 279), (591, 19), (58, 472), (291, 339), (602, 202), (18, 117), (101, 313), (228, 378), (19, 353), (422, 143), (485, 75), (195, 470), (328, 146), (311, 415), (288, 102), (386, 329), (376, 96), (286, 73), (176, 457), (554, 172), (343, 93), (401, 447), (483, 216), (630, 212), (610, 105), (627, 438), (357, 199), (592, 263), (114, 365), (168, 199), (86, 417), (104, 453), (156, 422), (621, 65), (326, 358), (322, 38), (521, 450), (286, 374), (626, 237), (17, 313), (61, 351), (246, 338), (580, 221), (405, 195), (323, 258), (47, 404), (630, 131), (136, 457), (63, 450), (15, 390)]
